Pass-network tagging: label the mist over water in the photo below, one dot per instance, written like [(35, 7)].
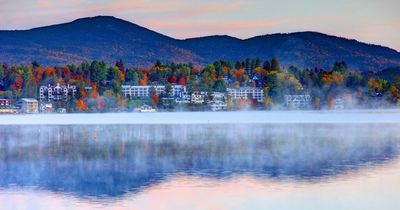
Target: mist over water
[(110, 162)]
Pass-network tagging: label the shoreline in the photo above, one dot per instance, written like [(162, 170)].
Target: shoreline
[(239, 117)]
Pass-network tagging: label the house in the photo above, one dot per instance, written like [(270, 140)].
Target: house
[(59, 92), (28, 105), (5, 103), (7, 107), (246, 93), (298, 101)]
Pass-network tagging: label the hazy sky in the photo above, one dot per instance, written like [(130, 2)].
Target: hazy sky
[(372, 21)]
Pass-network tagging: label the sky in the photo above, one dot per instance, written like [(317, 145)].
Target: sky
[(371, 21)]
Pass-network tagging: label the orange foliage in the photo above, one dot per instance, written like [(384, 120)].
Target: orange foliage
[(81, 105), (143, 82), (95, 93), (50, 72), (18, 83), (119, 99), (38, 75), (83, 93), (395, 92), (65, 71), (239, 74), (195, 71), (326, 79)]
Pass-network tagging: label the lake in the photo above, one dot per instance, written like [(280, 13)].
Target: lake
[(200, 166)]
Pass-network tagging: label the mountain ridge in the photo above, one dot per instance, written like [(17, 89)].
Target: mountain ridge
[(108, 38)]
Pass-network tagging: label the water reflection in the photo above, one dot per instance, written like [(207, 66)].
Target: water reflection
[(110, 161)]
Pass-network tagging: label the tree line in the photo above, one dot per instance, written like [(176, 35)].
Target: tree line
[(104, 80)]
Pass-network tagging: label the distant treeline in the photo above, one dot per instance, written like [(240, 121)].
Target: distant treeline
[(104, 80)]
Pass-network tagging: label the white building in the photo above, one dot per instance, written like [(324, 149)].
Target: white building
[(246, 93), (219, 106), (45, 107), (198, 97), (5, 102), (144, 91), (218, 96), (185, 99), (28, 105), (56, 93), (298, 101), (339, 103)]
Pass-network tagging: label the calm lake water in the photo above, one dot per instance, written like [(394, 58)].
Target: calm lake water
[(224, 166)]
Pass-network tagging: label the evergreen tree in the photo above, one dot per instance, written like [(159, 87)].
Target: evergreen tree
[(275, 66), (267, 66)]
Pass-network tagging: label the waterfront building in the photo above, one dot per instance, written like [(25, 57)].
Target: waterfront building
[(51, 93), (219, 106), (28, 105), (130, 91), (247, 93), (298, 101), (198, 97)]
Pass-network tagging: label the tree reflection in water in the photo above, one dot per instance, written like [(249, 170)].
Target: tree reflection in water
[(101, 160)]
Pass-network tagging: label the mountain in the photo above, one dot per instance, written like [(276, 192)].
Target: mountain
[(102, 38), (390, 74), (110, 39)]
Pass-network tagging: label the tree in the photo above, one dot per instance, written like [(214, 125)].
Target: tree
[(267, 66), (81, 105), (238, 65), (220, 86), (340, 66), (35, 64), (120, 65), (257, 63), (275, 66), (158, 63)]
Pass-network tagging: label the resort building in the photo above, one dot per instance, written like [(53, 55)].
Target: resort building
[(28, 105), (298, 101), (246, 93), (144, 91), (198, 97), (59, 92)]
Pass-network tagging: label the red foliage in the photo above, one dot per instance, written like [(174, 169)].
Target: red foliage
[(182, 81), (155, 99), (38, 75), (173, 79), (18, 83), (239, 74)]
